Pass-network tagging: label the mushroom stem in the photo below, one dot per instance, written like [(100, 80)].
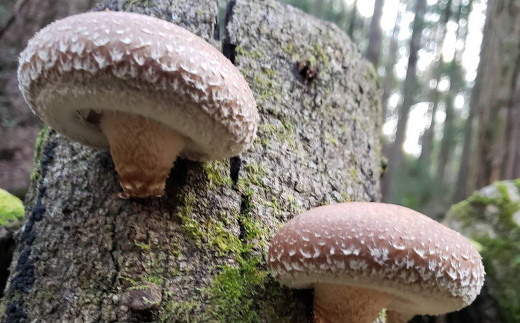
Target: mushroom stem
[(143, 151), (342, 304)]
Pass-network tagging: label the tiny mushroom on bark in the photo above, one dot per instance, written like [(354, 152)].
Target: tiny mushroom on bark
[(363, 257), (146, 88)]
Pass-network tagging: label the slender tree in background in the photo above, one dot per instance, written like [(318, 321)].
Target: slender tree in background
[(427, 138), (461, 187), (512, 158), (352, 23), (389, 80), (375, 38), (410, 86), (495, 97), (456, 83), (434, 95)]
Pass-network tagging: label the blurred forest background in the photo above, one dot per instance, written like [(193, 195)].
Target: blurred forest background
[(449, 72)]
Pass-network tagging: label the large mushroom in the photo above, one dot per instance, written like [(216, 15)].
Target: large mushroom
[(363, 257), (147, 88)]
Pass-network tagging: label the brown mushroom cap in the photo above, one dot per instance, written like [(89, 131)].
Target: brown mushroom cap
[(426, 267), (136, 64)]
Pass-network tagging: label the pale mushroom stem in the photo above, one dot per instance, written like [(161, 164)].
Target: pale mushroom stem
[(343, 304), (143, 151), (397, 317)]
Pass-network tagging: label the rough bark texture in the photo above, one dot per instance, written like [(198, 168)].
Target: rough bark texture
[(86, 255)]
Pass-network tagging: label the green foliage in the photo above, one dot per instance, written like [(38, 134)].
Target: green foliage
[(11, 208)]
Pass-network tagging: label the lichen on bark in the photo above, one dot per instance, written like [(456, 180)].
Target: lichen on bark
[(204, 243)]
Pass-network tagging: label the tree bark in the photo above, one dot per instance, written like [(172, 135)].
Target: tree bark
[(395, 156), (198, 253)]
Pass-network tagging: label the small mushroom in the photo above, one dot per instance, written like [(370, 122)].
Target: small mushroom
[(363, 257), (146, 88)]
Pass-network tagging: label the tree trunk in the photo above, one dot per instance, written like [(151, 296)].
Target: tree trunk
[(498, 78), (389, 80), (352, 22), (512, 154), (461, 188), (395, 156), (427, 139), (448, 141), (375, 38), (198, 253), (433, 94)]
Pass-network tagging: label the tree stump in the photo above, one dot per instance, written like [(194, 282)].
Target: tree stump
[(198, 253)]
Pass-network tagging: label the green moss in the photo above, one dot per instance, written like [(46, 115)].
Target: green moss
[(11, 208), (233, 293), (220, 238), (354, 174), (189, 224), (500, 250), (212, 232), (217, 173), (255, 173), (37, 151), (321, 55), (282, 132), (143, 246), (255, 54), (370, 73), (180, 311), (264, 83), (330, 138), (154, 279)]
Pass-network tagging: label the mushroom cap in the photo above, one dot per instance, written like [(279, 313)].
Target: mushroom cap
[(426, 267), (127, 62)]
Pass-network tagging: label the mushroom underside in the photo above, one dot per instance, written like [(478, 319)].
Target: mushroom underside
[(205, 138), (340, 303), (426, 300)]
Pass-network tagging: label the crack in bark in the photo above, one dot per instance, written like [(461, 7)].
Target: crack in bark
[(229, 51), (106, 292), (23, 279)]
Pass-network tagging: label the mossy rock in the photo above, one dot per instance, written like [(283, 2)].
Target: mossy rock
[(491, 217), (11, 208)]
